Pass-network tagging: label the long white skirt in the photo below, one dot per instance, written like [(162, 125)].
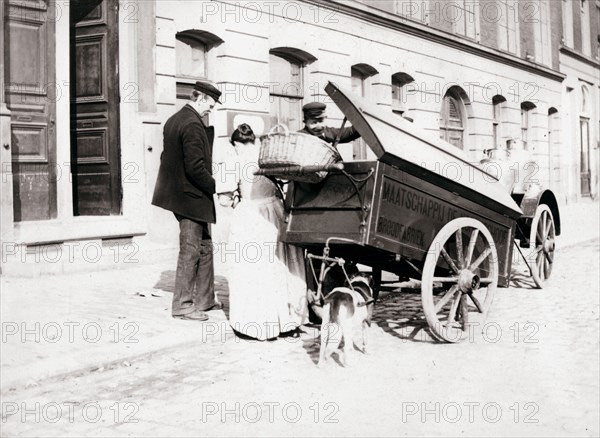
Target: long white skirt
[(267, 285)]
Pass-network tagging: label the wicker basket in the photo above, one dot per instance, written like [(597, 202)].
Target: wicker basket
[(281, 148)]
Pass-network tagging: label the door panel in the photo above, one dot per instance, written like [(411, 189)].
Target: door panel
[(30, 95), (95, 145)]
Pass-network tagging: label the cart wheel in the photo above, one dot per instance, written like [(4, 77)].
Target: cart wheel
[(459, 280), (541, 245)]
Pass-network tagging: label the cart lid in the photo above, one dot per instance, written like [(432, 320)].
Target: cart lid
[(398, 142)]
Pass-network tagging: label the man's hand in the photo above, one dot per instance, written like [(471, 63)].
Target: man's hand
[(226, 199), (229, 199)]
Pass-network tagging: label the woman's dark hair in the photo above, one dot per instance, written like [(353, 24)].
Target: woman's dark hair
[(243, 134)]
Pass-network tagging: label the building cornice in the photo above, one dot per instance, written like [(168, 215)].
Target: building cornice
[(579, 56), (383, 18)]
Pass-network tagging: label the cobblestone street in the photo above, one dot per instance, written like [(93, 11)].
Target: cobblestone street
[(533, 371)]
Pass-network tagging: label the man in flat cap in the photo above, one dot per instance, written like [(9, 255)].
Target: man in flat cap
[(314, 118), (185, 186)]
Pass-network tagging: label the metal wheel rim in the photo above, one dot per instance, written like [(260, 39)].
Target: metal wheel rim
[(542, 245), (468, 310)]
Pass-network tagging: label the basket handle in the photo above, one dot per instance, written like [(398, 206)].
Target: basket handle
[(275, 128)]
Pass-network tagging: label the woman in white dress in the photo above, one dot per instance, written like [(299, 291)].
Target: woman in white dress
[(267, 286)]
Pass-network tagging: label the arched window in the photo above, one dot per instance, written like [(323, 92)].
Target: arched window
[(553, 127), (191, 53), (361, 78), (585, 100), (584, 135), (553, 145), (453, 117), (400, 97), (526, 111), (498, 103), (362, 75), (191, 58), (286, 66)]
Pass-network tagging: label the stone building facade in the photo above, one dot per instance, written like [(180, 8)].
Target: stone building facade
[(88, 85)]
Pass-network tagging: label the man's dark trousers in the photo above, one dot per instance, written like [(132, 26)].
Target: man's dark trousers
[(194, 278)]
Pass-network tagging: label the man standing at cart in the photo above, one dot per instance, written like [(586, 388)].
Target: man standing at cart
[(185, 186), (314, 118)]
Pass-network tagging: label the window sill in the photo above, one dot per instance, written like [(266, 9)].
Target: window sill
[(76, 228)]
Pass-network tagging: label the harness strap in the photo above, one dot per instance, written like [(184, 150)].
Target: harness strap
[(366, 303)]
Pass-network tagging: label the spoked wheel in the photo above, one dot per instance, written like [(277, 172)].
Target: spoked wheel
[(459, 280), (541, 245)]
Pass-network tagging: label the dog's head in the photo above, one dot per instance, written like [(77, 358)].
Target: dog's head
[(363, 284)]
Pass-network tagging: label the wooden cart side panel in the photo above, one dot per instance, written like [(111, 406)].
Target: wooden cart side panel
[(409, 212), (315, 226), (331, 208)]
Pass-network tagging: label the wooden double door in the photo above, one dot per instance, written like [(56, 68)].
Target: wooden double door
[(32, 92)]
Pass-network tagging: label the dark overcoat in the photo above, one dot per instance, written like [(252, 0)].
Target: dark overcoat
[(185, 184)]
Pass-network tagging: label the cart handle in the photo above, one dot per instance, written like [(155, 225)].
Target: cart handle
[(335, 260), (299, 169)]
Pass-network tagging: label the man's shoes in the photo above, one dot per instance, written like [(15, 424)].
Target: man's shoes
[(217, 306), (196, 315)]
